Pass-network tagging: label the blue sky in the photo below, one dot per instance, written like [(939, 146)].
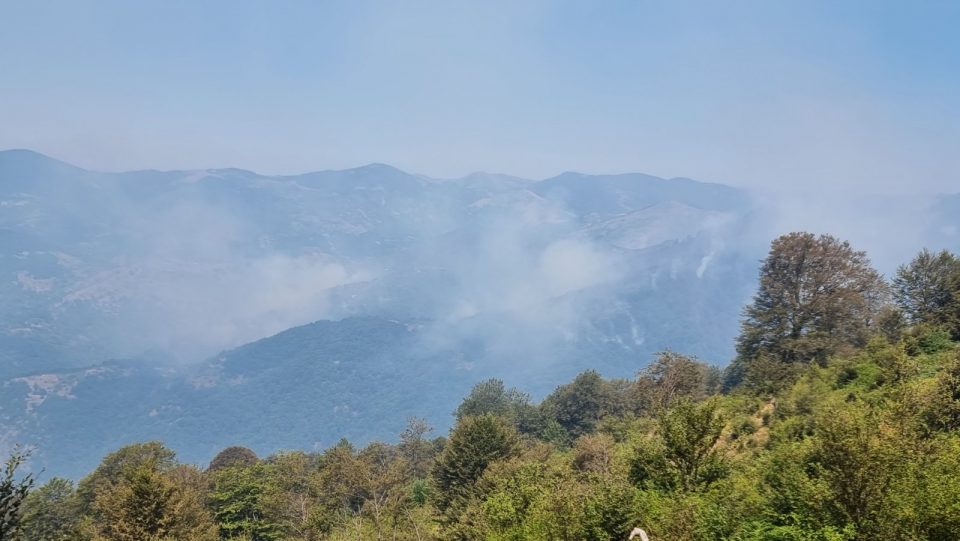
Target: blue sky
[(768, 94)]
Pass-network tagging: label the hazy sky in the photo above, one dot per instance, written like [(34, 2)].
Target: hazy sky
[(784, 94)]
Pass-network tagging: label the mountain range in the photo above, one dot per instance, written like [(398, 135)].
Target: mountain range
[(217, 307)]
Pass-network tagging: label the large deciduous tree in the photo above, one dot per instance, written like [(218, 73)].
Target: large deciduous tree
[(493, 397), (579, 405), (233, 456), (115, 466), (51, 513), (238, 501), (148, 506), (817, 297)]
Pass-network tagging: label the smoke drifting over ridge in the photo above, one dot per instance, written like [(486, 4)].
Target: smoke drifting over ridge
[(521, 287), (184, 264), (181, 265), (429, 285), (188, 280)]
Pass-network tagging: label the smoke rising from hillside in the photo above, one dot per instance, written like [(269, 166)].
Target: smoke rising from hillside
[(184, 264)]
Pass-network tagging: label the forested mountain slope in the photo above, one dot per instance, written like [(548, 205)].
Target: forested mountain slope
[(120, 289), (842, 425)]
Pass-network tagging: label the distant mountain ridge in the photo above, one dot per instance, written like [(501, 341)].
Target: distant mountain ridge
[(89, 257), (120, 288)]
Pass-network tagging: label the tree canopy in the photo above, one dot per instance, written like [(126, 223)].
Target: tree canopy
[(817, 297)]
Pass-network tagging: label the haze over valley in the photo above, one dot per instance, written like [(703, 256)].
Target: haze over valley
[(180, 305)]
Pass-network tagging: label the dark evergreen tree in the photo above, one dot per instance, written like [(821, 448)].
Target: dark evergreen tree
[(13, 492), (475, 443)]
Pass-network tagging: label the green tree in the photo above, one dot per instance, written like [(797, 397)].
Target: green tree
[(942, 407), (817, 297), (684, 454), (51, 512), (116, 465), (891, 323), (858, 465), (237, 499), (13, 493), (147, 506), (922, 288), (233, 456), (952, 310), (537, 496), (936, 491), (291, 494), (385, 485), (493, 397), (579, 405), (415, 449), (672, 376), (475, 443), (341, 485)]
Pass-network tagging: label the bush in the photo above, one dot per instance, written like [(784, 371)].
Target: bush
[(927, 340)]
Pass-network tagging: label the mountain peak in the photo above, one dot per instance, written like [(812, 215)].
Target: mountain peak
[(380, 168), (578, 176), (25, 156), (26, 164), (24, 152)]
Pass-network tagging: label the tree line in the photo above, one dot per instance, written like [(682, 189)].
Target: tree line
[(839, 419)]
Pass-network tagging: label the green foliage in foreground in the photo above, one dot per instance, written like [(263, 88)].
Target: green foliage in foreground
[(866, 447), (854, 438), (13, 493)]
